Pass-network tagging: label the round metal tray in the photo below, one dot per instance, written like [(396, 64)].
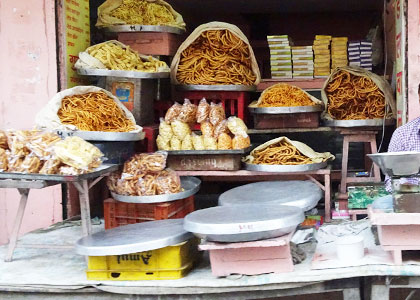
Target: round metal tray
[(358, 123), (243, 222), (134, 238), (103, 136), (396, 164), (285, 168), (216, 87), (285, 110), (123, 74), (144, 28), (302, 194), (191, 185)]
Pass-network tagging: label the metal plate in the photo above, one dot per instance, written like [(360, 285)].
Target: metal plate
[(102, 170), (303, 194), (216, 87), (123, 74), (358, 123), (285, 168), (285, 110), (191, 185), (240, 223), (396, 164), (134, 238), (209, 152), (144, 28), (103, 136)]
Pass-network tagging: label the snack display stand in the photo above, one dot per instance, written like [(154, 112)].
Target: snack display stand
[(25, 182)]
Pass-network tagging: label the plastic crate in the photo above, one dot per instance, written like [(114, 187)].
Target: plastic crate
[(118, 213), (172, 262)]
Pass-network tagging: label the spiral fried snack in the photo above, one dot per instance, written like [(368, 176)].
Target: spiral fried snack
[(94, 111), (41, 144), (283, 94), (352, 97), (145, 162), (216, 57), (281, 153)]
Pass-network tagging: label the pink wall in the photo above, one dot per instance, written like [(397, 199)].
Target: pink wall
[(28, 75), (413, 58)]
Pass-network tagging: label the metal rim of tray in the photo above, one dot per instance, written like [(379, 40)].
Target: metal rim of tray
[(397, 164), (358, 123), (144, 28), (216, 87), (285, 168), (134, 238), (191, 185), (286, 110), (209, 152), (123, 74), (103, 136)]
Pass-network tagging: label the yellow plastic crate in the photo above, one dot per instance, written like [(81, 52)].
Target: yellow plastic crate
[(172, 262)]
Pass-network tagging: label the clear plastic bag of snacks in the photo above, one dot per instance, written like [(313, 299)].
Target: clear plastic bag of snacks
[(3, 140), (146, 185), (188, 112), (42, 144), (175, 144), (165, 130), (210, 143), (31, 164), (51, 166), (220, 128), (3, 160), (146, 162), (168, 182), (236, 126), (18, 141), (69, 170), (162, 143), (203, 111), (173, 113), (217, 113), (180, 129), (241, 141), (207, 129), (198, 142), (187, 143), (14, 162), (224, 142)]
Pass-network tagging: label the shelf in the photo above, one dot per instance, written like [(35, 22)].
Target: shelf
[(306, 84), (290, 130)]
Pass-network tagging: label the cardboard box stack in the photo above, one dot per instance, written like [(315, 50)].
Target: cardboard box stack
[(339, 52), (354, 54), (303, 62), (322, 62), (280, 56), (366, 55)]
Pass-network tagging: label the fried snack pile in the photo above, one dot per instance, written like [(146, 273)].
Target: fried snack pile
[(352, 97), (143, 12), (145, 175), (33, 151), (217, 132), (117, 56), (281, 153), (216, 57), (283, 94), (94, 111)]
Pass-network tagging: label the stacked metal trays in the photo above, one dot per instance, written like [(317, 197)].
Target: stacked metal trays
[(397, 164), (358, 123), (285, 110), (121, 73), (134, 238), (216, 87), (242, 223), (303, 194), (191, 185), (103, 136), (285, 168), (144, 28)]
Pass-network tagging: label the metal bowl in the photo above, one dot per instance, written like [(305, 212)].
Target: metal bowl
[(396, 164)]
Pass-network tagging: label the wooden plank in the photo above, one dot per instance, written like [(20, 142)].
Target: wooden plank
[(298, 120), (290, 130), (307, 84), (223, 162)]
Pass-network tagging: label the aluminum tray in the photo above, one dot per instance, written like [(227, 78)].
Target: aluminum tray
[(103, 136), (144, 28), (209, 152), (124, 74), (134, 238), (358, 123), (216, 87), (285, 168), (191, 185), (285, 110), (248, 222), (302, 194), (100, 171), (396, 164)]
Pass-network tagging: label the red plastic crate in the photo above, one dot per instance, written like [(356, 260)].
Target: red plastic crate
[(148, 144), (118, 213)]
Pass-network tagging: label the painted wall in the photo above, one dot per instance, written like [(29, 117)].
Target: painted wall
[(413, 58), (28, 79)]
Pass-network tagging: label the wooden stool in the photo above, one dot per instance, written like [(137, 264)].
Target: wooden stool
[(356, 136)]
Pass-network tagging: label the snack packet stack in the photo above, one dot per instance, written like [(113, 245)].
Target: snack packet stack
[(354, 53), (303, 62), (280, 56), (321, 47), (366, 55), (339, 52)]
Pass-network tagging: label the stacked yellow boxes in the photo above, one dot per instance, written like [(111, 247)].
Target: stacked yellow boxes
[(322, 62), (280, 56), (339, 52), (303, 62)]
